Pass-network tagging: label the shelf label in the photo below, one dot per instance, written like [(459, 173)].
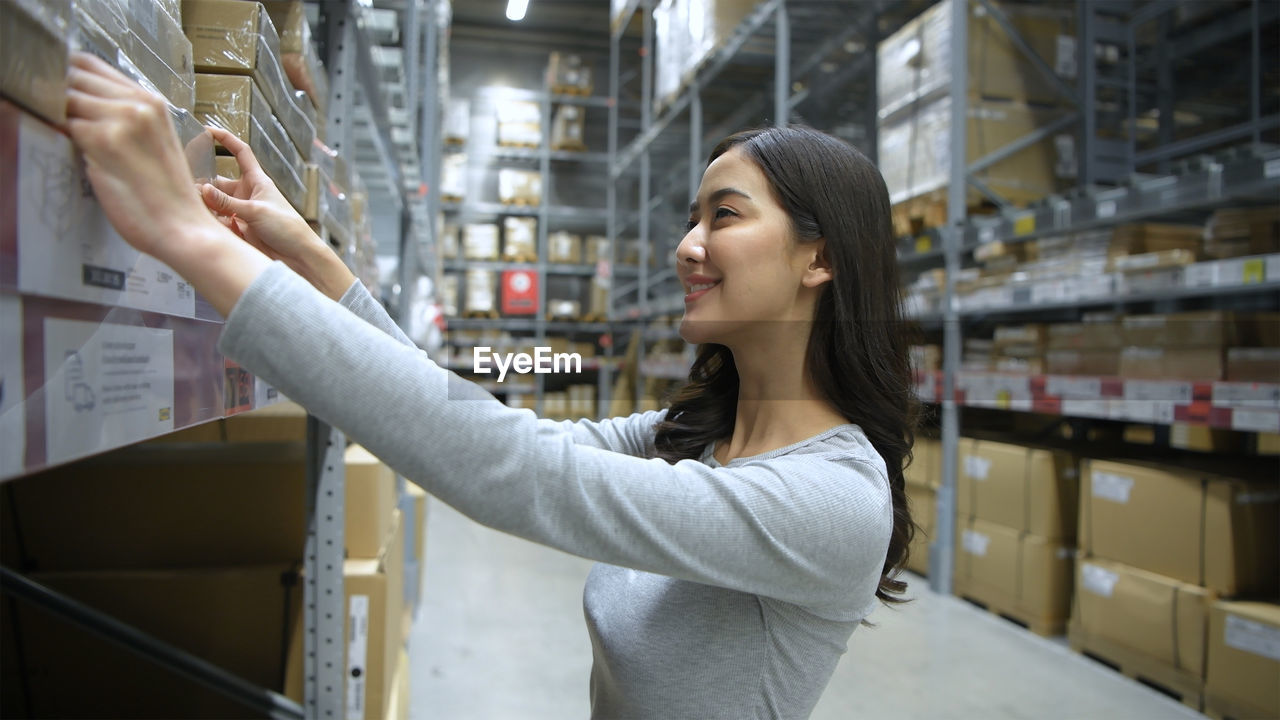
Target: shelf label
[(1146, 411), (986, 234), (13, 428), (1067, 386), (1252, 637), (1255, 420), (1253, 395), (924, 244), (358, 655), (1271, 168), (977, 467), (1110, 486), (1165, 390), (1098, 580), (1024, 225), (1255, 271), (1106, 209), (1099, 408), (975, 543), (105, 386)]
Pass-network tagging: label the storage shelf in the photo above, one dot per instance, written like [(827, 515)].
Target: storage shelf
[(1251, 407), (555, 212), (525, 325), (551, 268), (535, 154)]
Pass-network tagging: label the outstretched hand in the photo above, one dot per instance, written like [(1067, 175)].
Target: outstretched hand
[(140, 176), (254, 208)]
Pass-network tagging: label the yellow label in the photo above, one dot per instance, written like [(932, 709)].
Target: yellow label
[(164, 414), (1024, 225), (924, 244), (1254, 271), (1003, 398)]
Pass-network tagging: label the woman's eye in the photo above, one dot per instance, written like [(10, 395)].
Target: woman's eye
[(689, 226), (724, 212)]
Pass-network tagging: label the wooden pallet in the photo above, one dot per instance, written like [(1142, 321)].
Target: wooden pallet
[(520, 201), (454, 142), (1220, 708), (914, 216), (510, 144), (1044, 627), (520, 258), (570, 146), (593, 318), (481, 315), (1179, 684), (451, 198), (570, 90)]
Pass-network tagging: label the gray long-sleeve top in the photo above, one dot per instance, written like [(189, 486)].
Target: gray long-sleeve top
[(723, 591)]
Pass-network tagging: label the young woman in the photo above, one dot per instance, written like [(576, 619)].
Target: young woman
[(742, 534)]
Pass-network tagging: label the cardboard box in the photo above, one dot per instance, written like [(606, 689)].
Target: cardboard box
[(234, 37), (401, 697), (374, 604), (1084, 336), (236, 618), (162, 507), (917, 58), (282, 422), (1012, 572), (925, 469), (566, 73), (298, 52), (1213, 328), (520, 239), (1253, 365), (457, 121), (156, 44), (1188, 363), (1028, 489), (563, 247), (519, 123), (235, 103), (1244, 660), (1082, 362), (480, 292), (1147, 613), (568, 128), (1199, 528), (519, 187), (480, 241), (370, 499), (1144, 238), (33, 55)]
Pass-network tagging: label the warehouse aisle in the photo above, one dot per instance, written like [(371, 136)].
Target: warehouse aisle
[(501, 636)]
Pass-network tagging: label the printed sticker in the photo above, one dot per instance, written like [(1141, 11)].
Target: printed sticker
[(1115, 488)]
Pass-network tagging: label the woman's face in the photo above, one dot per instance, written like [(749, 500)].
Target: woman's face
[(744, 275)]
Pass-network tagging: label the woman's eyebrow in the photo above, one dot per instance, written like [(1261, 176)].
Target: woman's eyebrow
[(693, 206)]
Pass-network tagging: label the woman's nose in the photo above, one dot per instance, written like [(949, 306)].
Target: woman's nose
[(691, 250)]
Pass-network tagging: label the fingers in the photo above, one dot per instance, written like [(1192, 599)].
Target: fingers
[(239, 148), (85, 105), (230, 186), (223, 204), (87, 65)]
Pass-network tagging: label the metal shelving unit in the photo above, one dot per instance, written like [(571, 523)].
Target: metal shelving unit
[(1133, 159)]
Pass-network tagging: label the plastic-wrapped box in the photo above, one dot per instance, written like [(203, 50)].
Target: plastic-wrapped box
[(229, 101), (917, 58), (520, 239), (449, 241), (234, 37), (519, 187), (480, 241), (457, 121), (671, 46), (568, 75), (560, 309), (563, 247), (453, 177), (448, 295), (298, 52), (567, 129), (480, 291), (915, 150), (33, 55), (595, 249), (159, 48), (519, 123)]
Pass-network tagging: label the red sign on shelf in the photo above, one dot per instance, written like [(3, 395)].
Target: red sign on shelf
[(519, 292)]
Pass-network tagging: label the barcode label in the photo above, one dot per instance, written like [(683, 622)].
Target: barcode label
[(1253, 637), (975, 543), (1109, 486), (977, 467), (357, 656), (1098, 580)]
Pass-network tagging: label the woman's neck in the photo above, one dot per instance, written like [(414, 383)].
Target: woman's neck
[(778, 402)]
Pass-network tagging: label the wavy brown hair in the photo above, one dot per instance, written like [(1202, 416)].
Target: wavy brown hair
[(858, 349)]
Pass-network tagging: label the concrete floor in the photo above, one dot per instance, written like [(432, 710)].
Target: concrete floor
[(500, 636)]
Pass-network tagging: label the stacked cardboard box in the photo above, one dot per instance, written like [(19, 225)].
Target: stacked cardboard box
[(687, 32), (1005, 99), (480, 241), (519, 187), (922, 479), (480, 292), (1015, 533), (568, 129), (1158, 545), (1237, 232), (33, 56), (457, 122), (242, 87), (1019, 348), (519, 123), (520, 239), (567, 74), (563, 247), (1085, 348), (299, 57), (1176, 346), (1243, 660)]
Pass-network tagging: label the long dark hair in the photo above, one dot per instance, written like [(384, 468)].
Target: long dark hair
[(858, 349)]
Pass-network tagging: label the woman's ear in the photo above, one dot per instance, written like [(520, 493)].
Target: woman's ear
[(819, 269)]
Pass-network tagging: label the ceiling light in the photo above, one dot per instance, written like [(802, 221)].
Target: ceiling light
[(516, 9)]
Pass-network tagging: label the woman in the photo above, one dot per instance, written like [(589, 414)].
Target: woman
[(743, 533)]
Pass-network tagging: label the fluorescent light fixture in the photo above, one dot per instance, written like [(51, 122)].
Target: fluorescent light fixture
[(516, 9)]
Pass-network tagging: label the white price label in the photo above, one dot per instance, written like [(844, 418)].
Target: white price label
[(1146, 411), (1098, 580), (1099, 408), (1110, 486), (1165, 390), (1271, 168), (1253, 637), (1106, 209), (975, 543), (1255, 420), (1252, 395), (977, 467), (357, 656), (1067, 386)]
